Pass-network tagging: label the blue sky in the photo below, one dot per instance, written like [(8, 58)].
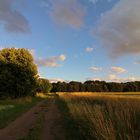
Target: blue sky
[(76, 39)]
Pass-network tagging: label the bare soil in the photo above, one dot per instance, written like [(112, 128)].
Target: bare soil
[(52, 126)]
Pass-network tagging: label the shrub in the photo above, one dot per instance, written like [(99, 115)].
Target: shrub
[(44, 85)]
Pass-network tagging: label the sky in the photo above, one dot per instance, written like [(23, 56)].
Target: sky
[(76, 40)]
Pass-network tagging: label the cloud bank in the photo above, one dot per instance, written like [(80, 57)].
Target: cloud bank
[(12, 19), (119, 29)]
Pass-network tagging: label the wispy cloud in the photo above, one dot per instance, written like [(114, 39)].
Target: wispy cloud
[(47, 62), (95, 69), (89, 49), (119, 29), (68, 12), (118, 69), (12, 19), (50, 62), (115, 78)]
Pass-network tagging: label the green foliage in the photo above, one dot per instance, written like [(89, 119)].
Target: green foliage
[(17, 73), (96, 86), (44, 85)]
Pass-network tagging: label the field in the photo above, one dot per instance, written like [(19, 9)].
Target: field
[(102, 116), (75, 116)]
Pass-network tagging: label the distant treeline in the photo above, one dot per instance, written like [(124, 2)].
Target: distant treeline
[(96, 86)]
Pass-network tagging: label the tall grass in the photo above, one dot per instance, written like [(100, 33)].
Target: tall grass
[(105, 117)]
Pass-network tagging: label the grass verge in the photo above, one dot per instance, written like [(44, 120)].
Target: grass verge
[(69, 125), (11, 109)]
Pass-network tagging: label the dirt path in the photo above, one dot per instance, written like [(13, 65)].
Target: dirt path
[(52, 129), (21, 125), (52, 126)]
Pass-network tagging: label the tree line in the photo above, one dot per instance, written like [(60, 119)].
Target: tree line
[(96, 86)]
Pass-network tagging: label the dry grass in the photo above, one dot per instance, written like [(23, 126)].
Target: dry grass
[(105, 116)]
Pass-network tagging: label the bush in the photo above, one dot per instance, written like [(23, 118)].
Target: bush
[(44, 85), (17, 73)]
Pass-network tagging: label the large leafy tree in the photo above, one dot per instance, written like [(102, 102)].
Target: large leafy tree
[(17, 73)]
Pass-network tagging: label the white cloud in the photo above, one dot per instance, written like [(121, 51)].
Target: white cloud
[(50, 62), (12, 19), (89, 49), (119, 29), (55, 80), (62, 57), (115, 78), (68, 12), (94, 79), (47, 62), (95, 69), (112, 77), (118, 69)]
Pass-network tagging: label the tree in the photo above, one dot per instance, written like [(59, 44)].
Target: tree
[(74, 86), (96, 86), (17, 73), (130, 87), (115, 87), (44, 85)]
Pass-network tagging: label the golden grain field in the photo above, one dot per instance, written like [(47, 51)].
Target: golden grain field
[(105, 116)]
